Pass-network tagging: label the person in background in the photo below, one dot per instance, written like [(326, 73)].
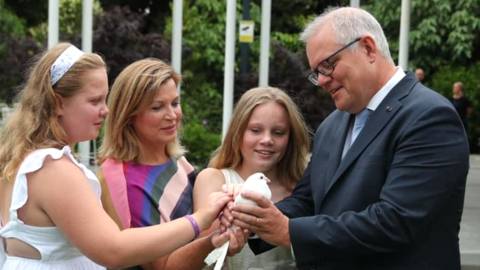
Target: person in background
[(51, 214), (145, 177), (420, 74), (385, 185), (462, 104), (267, 134)]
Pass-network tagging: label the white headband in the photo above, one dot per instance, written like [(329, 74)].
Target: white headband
[(63, 63)]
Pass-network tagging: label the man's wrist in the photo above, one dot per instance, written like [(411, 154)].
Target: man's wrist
[(286, 233)]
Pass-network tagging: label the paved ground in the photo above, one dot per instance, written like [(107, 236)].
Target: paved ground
[(470, 227)]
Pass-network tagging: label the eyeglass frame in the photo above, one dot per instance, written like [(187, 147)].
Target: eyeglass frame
[(313, 76)]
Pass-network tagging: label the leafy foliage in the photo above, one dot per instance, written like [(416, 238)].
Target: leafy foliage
[(286, 29), (70, 22), (12, 24), (200, 142), (120, 39), (442, 33), (204, 34), (443, 82), (16, 48), (287, 72), (203, 60), (15, 54), (154, 12), (33, 12)]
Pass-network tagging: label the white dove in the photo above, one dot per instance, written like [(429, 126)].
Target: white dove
[(257, 182)]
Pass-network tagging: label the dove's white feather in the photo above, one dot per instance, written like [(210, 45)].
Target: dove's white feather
[(257, 182), (217, 254)]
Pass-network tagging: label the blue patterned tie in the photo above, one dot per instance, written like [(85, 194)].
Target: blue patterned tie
[(360, 120)]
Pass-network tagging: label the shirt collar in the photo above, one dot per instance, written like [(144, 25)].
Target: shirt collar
[(380, 95)]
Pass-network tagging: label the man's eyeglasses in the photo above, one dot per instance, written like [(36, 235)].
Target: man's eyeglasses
[(325, 67)]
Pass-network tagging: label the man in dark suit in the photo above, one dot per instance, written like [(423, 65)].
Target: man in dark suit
[(385, 185)]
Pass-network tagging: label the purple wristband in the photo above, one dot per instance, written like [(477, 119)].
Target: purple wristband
[(194, 223)]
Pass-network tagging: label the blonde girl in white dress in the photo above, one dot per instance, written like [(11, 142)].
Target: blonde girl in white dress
[(266, 134)]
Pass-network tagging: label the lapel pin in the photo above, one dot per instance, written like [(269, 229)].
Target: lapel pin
[(389, 109)]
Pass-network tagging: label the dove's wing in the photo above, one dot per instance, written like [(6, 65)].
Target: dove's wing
[(217, 255), (223, 254)]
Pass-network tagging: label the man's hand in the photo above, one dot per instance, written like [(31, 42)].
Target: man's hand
[(265, 219), (237, 238)]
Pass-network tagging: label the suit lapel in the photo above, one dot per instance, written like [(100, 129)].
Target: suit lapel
[(340, 132), (377, 122), (335, 143)]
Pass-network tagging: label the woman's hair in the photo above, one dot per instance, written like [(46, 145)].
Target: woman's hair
[(133, 91), (291, 167), (34, 124)]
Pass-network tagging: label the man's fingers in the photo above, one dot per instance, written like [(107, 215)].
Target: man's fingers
[(247, 221), (261, 200), (248, 209), (244, 211), (245, 225)]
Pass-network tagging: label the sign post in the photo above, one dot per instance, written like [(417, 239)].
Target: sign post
[(246, 31)]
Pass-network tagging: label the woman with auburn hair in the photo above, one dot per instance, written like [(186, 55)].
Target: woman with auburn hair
[(267, 134), (146, 179), (50, 208)]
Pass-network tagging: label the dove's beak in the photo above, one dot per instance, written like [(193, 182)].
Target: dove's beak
[(268, 180)]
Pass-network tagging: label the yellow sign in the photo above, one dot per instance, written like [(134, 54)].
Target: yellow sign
[(246, 31)]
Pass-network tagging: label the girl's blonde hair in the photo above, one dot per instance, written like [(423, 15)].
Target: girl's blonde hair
[(34, 124), (133, 91), (291, 167)]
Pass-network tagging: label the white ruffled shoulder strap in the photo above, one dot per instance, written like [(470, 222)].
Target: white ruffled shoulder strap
[(33, 162)]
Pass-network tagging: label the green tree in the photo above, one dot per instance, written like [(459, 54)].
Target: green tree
[(70, 22), (16, 48), (441, 32), (121, 39), (33, 12), (10, 23), (202, 69), (286, 29), (155, 12)]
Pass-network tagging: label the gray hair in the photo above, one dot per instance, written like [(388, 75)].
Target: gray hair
[(348, 24)]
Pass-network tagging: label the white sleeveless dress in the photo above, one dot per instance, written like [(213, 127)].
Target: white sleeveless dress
[(56, 251), (279, 258)]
